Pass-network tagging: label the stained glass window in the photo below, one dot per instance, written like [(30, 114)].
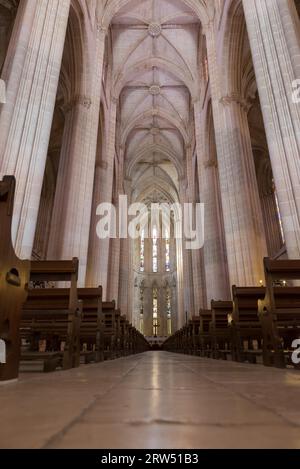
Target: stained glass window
[(167, 252), (142, 309), (155, 250), (169, 312), (155, 312), (142, 252)]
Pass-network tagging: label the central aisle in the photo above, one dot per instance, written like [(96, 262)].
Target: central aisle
[(155, 400)]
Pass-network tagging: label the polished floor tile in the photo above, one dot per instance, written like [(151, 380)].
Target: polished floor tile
[(154, 400)]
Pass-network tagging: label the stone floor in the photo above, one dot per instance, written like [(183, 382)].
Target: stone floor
[(155, 400)]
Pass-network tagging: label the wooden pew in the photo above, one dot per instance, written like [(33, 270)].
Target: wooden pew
[(187, 338), (206, 342), (219, 328), (53, 315), (195, 335), (126, 337), (92, 327), (279, 311), (246, 328), (110, 330), (142, 345), (14, 278)]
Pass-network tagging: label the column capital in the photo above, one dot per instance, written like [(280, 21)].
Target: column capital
[(236, 98), (80, 100), (102, 29), (208, 26), (102, 165), (210, 163), (114, 99)]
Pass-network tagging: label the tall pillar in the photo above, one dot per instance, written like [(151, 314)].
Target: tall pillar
[(126, 303), (194, 257), (273, 28), (187, 267), (2, 92), (215, 259), (124, 277), (31, 72), (244, 229), (74, 191), (99, 249)]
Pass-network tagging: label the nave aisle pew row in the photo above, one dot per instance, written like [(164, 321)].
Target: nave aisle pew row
[(279, 311), (14, 278), (51, 317)]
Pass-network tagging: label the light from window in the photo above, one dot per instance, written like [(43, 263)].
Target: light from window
[(155, 250), (142, 252), (155, 312), (167, 252), (169, 313)]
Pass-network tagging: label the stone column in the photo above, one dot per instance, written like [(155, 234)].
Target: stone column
[(174, 309), (115, 245), (31, 72), (195, 255), (244, 229), (215, 261), (74, 191), (124, 276), (126, 266), (100, 248), (187, 264), (2, 92), (180, 318), (273, 28)]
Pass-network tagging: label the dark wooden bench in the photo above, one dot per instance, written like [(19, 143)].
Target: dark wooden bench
[(110, 330), (245, 326), (174, 343), (206, 342), (52, 316), (195, 335), (279, 311), (140, 343), (219, 328), (92, 326), (14, 278)]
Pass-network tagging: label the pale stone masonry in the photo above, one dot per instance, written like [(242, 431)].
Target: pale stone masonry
[(166, 102), (31, 71)]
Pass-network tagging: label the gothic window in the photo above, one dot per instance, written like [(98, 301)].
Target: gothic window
[(169, 312), (168, 268), (155, 250), (142, 308), (141, 323), (155, 312), (142, 252)]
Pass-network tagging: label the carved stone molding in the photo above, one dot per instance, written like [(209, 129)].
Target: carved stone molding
[(211, 163), (154, 131), (80, 100), (102, 165), (236, 98), (155, 90), (154, 29), (114, 99), (102, 29)]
